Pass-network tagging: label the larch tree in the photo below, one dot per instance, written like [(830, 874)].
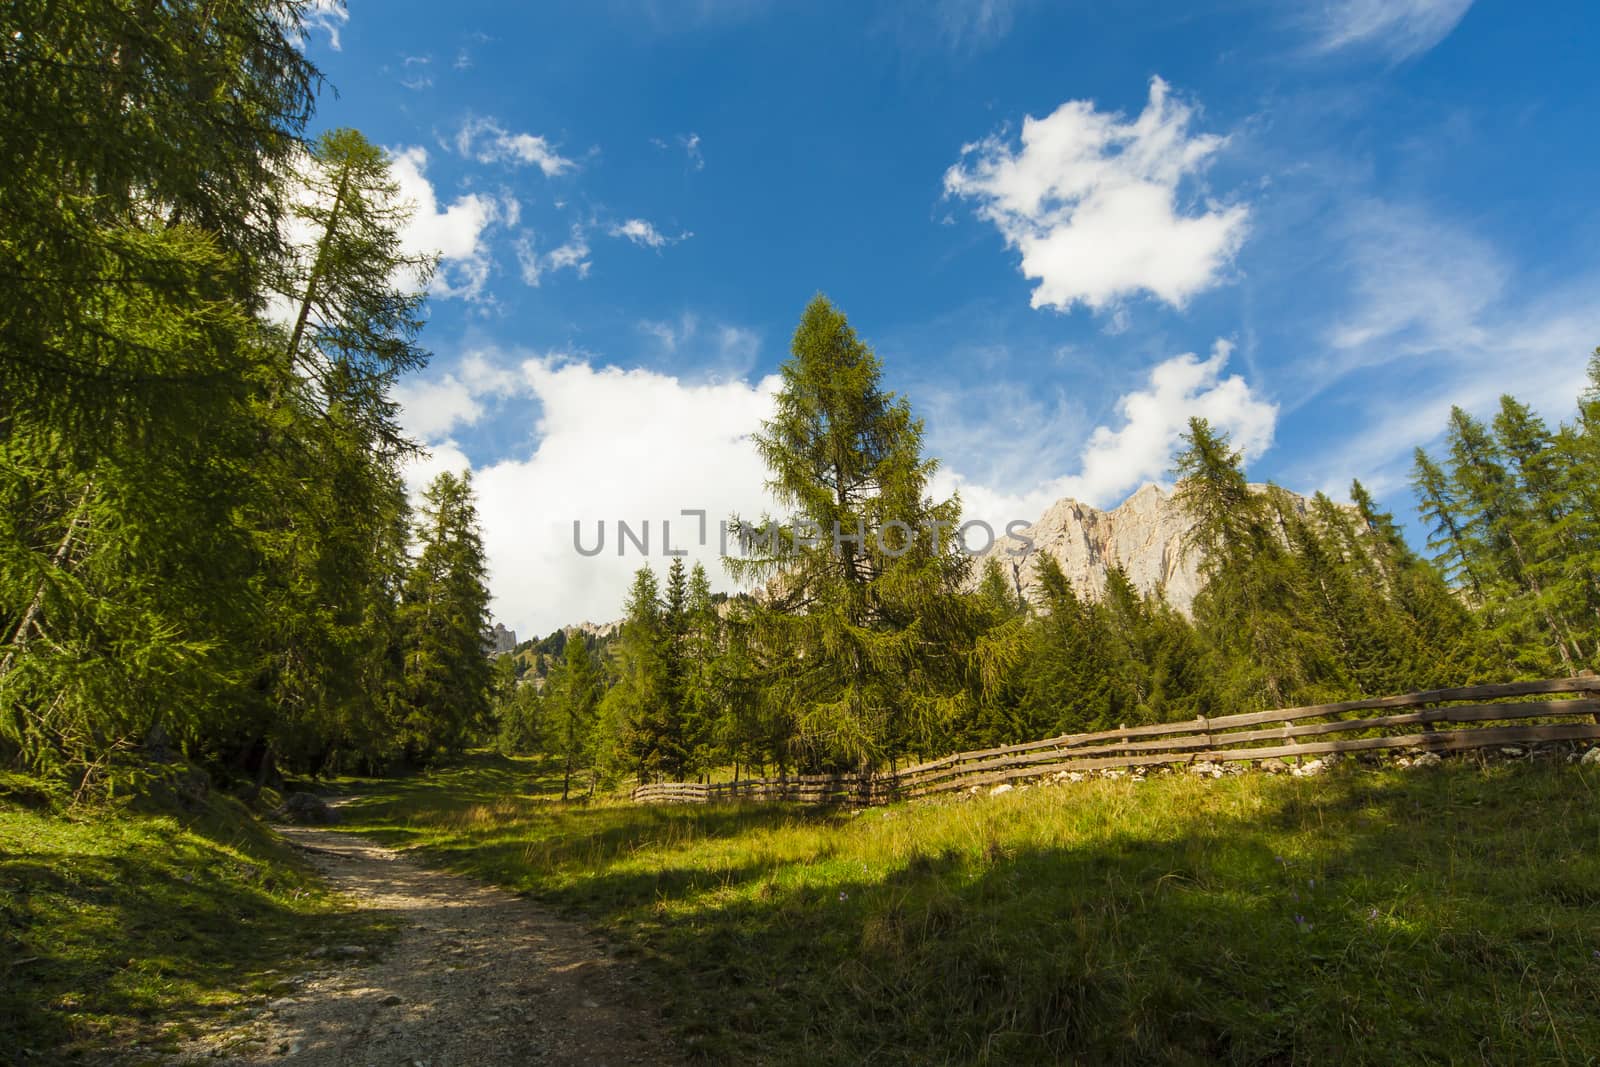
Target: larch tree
[(862, 617)]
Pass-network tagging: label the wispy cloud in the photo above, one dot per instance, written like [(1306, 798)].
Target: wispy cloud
[(464, 59), (571, 255), (689, 143), (415, 73), (1090, 200), (644, 233), (326, 16), (1432, 320), (727, 348), (1398, 28), (486, 141), (958, 26), (1115, 460)]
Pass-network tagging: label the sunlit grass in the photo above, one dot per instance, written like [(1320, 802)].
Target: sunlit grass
[(1378, 916)]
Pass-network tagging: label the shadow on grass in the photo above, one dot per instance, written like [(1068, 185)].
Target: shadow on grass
[(117, 927), (1367, 916)]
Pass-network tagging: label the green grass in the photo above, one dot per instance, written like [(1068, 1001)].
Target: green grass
[(134, 920), (1381, 916)]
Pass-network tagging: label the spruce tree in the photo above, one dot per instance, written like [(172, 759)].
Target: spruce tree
[(444, 617), (573, 710), (636, 712), (1253, 606)]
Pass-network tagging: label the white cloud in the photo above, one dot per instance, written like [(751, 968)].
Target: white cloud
[(528, 260), (691, 148), (415, 74), (432, 408), (640, 445), (486, 141), (328, 16), (644, 233), (534, 265), (612, 444), (1113, 462), (574, 255), (457, 233), (638, 231), (1091, 202), (690, 143), (671, 334), (1400, 28), (1420, 285), (464, 59)]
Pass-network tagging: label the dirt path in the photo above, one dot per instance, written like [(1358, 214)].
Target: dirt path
[(478, 977)]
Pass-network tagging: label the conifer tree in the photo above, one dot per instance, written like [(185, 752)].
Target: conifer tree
[(863, 622), (573, 709), (444, 616), (1066, 678), (1252, 606), (1498, 533), (635, 711)]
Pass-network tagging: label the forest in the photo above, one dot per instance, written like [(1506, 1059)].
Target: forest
[(207, 547), (892, 650)]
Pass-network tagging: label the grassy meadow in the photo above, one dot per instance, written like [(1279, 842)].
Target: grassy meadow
[(1386, 916), (128, 920)]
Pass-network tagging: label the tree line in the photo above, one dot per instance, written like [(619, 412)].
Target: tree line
[(205, 539), (858, 652)]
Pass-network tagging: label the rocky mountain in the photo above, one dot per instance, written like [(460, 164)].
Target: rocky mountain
[(1145, 534)]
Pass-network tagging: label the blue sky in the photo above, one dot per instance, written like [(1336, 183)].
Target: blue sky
[(1064, 228)]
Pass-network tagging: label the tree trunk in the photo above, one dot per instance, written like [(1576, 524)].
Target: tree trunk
[(318, 264)]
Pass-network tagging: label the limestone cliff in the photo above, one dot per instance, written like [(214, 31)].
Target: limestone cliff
[(1145, 534)]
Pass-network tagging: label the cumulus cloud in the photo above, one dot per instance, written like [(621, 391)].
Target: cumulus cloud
[(1091, 202), (613, 444), (1400, 28), (457, 232), (1113, 461), (486, 141), (432, 408), (636, 445)]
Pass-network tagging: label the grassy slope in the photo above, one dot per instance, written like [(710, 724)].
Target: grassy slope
[(1378, 916), (123, 921)]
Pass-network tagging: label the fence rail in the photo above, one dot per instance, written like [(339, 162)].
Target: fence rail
[(1517, 719)]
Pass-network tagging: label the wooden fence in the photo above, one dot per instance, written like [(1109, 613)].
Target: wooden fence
[(1490, 716)]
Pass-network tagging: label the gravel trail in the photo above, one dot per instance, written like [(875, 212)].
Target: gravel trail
[(477, 977)]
